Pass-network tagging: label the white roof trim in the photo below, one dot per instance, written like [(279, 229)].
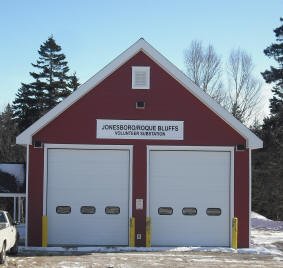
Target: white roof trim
[(252, 141)]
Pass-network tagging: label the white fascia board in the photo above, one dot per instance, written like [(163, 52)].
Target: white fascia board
[(252, 141)]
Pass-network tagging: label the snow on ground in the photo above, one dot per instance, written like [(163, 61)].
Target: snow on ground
[(266, 239), (266, 251), (266, 235), (22, 232), (261, 222)]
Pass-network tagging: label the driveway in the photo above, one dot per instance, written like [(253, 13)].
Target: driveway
[(143, 259)]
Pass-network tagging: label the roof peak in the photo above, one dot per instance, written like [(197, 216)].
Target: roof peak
[(252, 140)]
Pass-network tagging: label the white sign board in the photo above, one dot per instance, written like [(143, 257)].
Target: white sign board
[(139, 129)]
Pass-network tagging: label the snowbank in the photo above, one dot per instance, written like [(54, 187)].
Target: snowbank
[(266, 235), (260, 222)]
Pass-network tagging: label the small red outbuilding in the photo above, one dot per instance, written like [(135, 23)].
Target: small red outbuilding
[(138, 155)]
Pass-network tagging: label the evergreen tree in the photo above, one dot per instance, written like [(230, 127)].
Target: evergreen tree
[(51, 85), (24, 107), (275, 75), (268, 162), (9, 151), (74, 83)]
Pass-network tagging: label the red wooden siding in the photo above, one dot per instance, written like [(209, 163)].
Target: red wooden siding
[(35, 195), (241, 201)]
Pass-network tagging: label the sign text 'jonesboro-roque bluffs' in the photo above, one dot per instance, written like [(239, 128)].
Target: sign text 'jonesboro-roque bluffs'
[(139, 129)]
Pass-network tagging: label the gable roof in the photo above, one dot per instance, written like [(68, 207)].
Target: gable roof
[(252, 141)]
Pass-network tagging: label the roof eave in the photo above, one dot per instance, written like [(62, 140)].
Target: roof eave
[(252, 141)]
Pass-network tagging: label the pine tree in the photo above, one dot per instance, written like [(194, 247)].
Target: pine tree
[(275, 75), (74, 83), (268, 162), (53, 76), (9, 151), (51, 85), (24, 107)]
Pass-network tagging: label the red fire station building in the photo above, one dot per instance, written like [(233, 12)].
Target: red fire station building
[(138, 155)]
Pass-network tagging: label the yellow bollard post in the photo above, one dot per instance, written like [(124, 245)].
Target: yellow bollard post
[(132, 232), (235, 233), (148, 232), (44, 231)]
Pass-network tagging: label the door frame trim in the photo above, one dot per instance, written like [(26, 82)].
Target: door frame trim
[(229, 149), (89, 147)]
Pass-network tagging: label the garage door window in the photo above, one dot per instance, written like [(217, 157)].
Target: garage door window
[(88, 210), (189, 211), (213, 212), (63, 209), (165, 211), (112, 210)]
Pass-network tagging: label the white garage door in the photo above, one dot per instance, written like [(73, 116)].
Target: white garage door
[(88, 197), (189, 198)]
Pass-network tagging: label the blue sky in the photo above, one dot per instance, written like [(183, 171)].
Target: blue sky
[(91, 33)]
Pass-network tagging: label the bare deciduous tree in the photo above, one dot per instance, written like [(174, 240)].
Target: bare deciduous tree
[(204, 69), (243, 92)]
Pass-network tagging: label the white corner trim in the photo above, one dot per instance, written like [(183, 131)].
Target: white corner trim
[(250, 194), (130, 148), (27, 194), (45, 174), (252, 140), (232, 191)]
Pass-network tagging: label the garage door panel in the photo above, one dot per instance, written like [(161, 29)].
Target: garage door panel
[(73, 236), (198, 179), (97, 178)]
